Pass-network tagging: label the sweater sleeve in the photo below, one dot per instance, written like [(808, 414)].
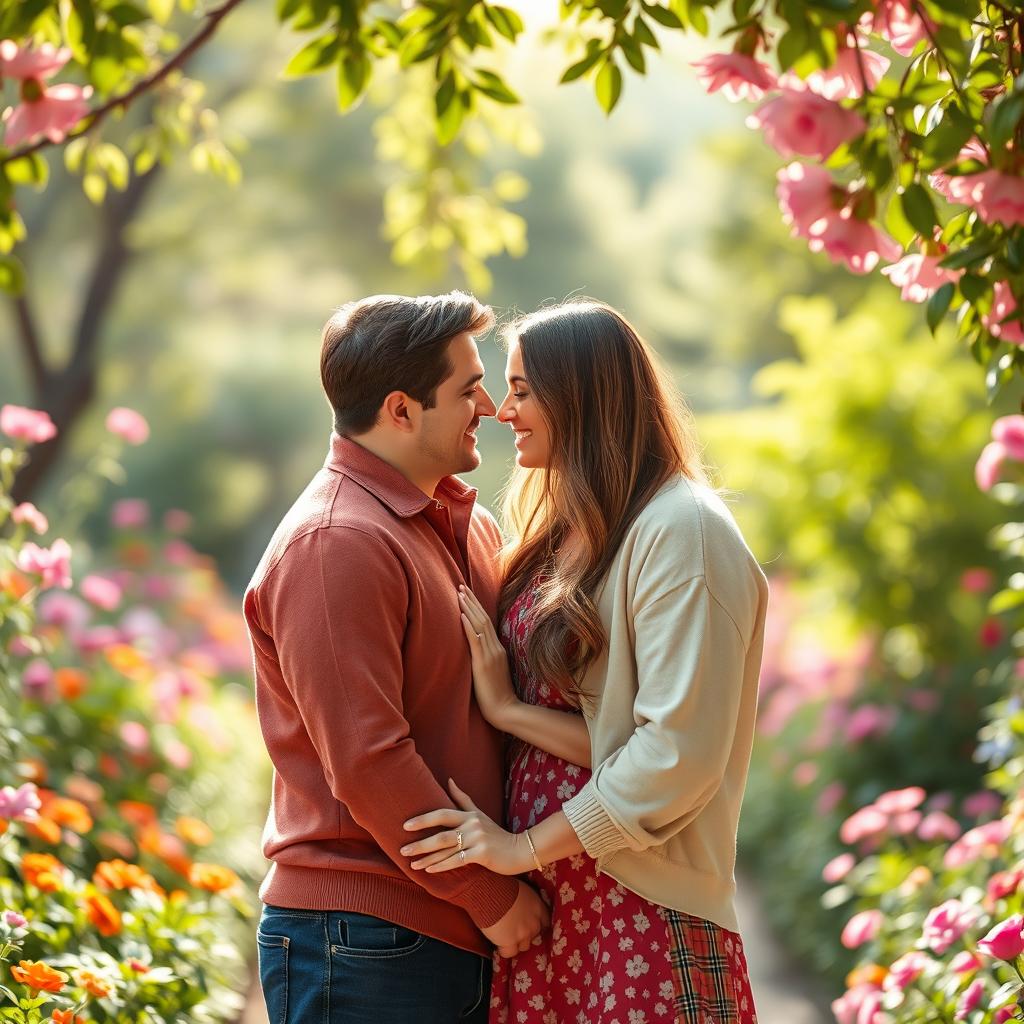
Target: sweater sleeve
[(336, 608), (690, 661)]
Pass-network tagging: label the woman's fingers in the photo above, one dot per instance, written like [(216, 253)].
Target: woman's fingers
[(471, 607), (441, 841), (434, 858), (445, 817), (461, 798)]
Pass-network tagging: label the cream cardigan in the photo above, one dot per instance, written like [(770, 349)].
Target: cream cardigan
[(670, 704)]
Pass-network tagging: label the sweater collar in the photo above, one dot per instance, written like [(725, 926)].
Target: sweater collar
[(386, 483)]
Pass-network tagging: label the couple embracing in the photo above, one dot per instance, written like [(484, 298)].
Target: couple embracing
[(527, 750)]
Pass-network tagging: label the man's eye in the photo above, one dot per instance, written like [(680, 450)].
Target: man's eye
[(471, 393)]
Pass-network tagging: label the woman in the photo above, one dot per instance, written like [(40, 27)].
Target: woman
[(632, 614)]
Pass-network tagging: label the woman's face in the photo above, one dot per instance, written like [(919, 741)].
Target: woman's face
[(522, 413)]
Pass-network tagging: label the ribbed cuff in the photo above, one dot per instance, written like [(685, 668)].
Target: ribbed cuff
[(489, 899), (593, 825)]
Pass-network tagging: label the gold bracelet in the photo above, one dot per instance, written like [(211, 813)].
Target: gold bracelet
[(533, 850)]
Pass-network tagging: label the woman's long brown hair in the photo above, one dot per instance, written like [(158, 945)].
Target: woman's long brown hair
[(619, 431)]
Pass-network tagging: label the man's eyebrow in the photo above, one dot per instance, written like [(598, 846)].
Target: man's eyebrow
[(473, 380)]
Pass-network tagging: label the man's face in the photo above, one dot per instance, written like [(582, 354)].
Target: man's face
[(447, 440)]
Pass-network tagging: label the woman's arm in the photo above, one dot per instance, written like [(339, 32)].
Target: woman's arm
[(562, 733)]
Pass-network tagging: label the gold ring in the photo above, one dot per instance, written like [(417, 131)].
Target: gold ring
[(458, 840)]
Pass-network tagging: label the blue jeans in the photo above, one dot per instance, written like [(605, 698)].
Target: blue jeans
[(339, 967)]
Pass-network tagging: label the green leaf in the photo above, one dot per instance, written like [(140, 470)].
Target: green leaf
[(1006, 115), (581, 67), (938, 305), (12, 277), (792, 46), (608, 85), (972, 254), (161, 10), (449, 123), (633, 53), (643, 34), (919, 209), (972, 287), (1004, 601), (95, 187), (353, 75), (314, 57), (505, 20), (127, 14), (663, 16), (28, 170), (492, 85)]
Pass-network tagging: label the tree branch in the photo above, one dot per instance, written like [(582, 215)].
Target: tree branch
[(213, 19), (31, 344)]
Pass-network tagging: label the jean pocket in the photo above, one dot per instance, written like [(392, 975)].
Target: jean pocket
[(273, 963), (359, 935)]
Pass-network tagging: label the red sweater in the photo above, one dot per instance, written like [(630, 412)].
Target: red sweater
[(364, 694)]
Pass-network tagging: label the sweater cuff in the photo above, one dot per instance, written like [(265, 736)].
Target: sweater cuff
[(489, 899), (594, 826)]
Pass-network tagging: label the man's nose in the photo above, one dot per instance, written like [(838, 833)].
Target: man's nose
[(485, 405)]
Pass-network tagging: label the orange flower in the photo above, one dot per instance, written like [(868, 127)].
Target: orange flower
[(212, 877), (170, 849), (109, 767), (46, 829), (93, 983), (117, 874), (66, 1017), (3, 825), (33, 769), (15, 583), (72, 814), (39, 976), (103, 914), (194, 831), (127, 660), (868, 974), (83, 788), (71, 682), (117, 843), (136, 812), (42, 870)]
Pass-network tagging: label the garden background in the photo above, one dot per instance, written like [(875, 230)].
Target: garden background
[(184, 285)]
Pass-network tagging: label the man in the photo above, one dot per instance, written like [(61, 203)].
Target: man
[(364, 686)]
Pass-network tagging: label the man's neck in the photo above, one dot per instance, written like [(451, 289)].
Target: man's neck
[(426, 483)]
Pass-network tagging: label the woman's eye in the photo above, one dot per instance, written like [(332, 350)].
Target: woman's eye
[(520, 394)]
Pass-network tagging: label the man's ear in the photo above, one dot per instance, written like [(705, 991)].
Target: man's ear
[(400, 412)]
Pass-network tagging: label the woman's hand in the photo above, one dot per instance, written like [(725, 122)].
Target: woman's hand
[(482, 841), (492, 680)]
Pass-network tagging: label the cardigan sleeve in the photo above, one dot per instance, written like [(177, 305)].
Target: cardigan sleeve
[(690, 658)]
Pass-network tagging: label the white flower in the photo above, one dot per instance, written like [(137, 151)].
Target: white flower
[(636, 966)]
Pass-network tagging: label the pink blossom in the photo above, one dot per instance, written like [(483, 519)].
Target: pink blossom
[(89, 641), (937, 825), (807, 197), (979, 580), (53, 564), (858, 1005), (26, 64), (919, 276), (863, 824), (177, 521), (805, 773), (861, 928), (983, 804), (946, 923), (907, 969), (179, 755), (36, 679), (905, 822), (970, 999), (899, 23), (100, 591), (998, 197), (738, 76), (21, 804), (1005, 1013), (1004, 941), (128, 425), (845, 79), (857, 243), (63, 610), (973, 150), (135, 736), (129, 514), (802, 123), (18, 648), (990, 634), (964, 962), (26, 512), (1003, 305), (50, 111), (989, 465), (982, 841), (14, 920), (920, 699), (869, 720), (838, 868), (895, 801), (829, 798), (1009, 432), (26, 424), (179, 552)]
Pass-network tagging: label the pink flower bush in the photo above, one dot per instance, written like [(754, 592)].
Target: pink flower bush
[(807, 197), (50, 111), (102, 592), (21, 804), (738, 76), (128, 425), (858, 1005), (129, 514), (861, 928), (1006, 940), (844, 80), (857, 243), (1007, 443), (13, 919), (53, 564), (937, 826), (29, 425), (867, 721), (985, 803), (799, 122), (1003, 305), (989, 465), (983, 841), (27, 513), (947, 923), (965, 962), (898, 22), (970, 999), (906, 970), (940, 181), (998, 197), (838, 868), (919, 276), (898, 801), (979, 580)]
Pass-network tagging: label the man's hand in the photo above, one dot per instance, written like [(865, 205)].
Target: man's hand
[(525, 920)]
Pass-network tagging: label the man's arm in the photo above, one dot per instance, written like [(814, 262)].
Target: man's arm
[(336, 608)]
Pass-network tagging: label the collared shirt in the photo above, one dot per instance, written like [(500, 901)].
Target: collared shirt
[(364, 694)]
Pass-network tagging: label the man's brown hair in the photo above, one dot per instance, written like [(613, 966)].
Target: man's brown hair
[(391, 343)]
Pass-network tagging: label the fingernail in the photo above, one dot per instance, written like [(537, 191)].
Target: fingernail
[(404, 851)]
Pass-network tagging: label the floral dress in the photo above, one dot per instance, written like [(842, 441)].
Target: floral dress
[(610, 957)]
